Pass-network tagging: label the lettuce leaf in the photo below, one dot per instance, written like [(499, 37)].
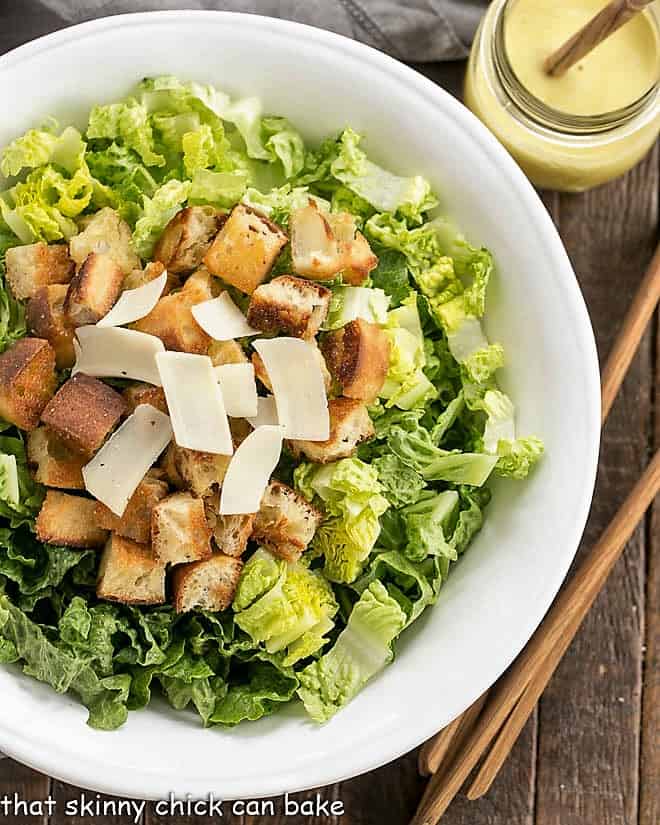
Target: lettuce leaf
[(156, 214), (20, 495)]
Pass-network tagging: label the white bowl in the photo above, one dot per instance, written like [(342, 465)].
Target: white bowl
[(499, 592)]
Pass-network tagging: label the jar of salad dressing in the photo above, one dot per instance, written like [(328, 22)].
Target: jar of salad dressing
[(580, 129)]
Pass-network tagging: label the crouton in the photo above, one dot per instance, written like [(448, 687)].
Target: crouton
[(206, 585), (289, 305), (52, 462), (286, 522), (135, 524), (358, 356), (106, 232), (172, 321), (141, 277), (83, 412), (128, 573), (168, 467), (200, 472), (187, 238), (45, 318), (69, 521), (179, 530), (93, 290), (31, 267), (231, 533), (138, 394), (240, 429), (245, 249), (325, 244), (350, 425), (226, 352), (262, 375), (27, 381)]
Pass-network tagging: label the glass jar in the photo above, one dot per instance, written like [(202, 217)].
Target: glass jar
[(556, 150)]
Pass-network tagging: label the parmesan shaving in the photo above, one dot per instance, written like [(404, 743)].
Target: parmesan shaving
[(249, 471), (222, 319), (266, 413), (239, 389), (114, 352), (194, 400), (295, 374), (134, 304), (114, 473)]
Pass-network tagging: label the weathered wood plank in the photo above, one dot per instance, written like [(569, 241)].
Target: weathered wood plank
[(76, 806), (590, 715), (649, 780), (19, 784)]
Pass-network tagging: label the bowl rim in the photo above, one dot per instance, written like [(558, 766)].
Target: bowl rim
[(147, 785)]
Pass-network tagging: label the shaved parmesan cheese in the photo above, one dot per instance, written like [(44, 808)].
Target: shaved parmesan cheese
[(249, 471), (239, 389), (266, 413), (114, 352), (222, 319), (114, 473), (467, 339), (134, 304), (195, 402), (295, 374)]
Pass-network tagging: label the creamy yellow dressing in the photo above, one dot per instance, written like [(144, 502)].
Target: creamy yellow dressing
[(615, 74)]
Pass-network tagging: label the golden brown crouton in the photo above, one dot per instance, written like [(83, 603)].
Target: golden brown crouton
[(358, 356), (187, 237), (240, 429), (83, 412), (179, 530), (106, 232), (168, 467), (53, 463), (206, 585), (325, 244), (350, 425), (200, 472), (93, 290), (153, 270), (172, 321), (288, 305), (135, 524), (138, 394), (245, 249), (45, 319), (286, 522), (226, 352), (36, 265), (231, 533), (27, 381), (128, 573), (69, 521)]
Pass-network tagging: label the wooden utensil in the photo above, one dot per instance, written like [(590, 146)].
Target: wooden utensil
[(443, 747), (600, 27)]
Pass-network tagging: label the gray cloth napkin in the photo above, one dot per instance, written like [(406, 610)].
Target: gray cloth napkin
[(417, 31)]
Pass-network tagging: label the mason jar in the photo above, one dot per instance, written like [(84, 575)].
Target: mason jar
[(557, 150)]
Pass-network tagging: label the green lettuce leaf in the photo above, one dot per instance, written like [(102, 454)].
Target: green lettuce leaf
[(157, 212), (20, 495)]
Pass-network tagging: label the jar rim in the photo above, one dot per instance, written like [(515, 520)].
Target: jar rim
[(549, 117)]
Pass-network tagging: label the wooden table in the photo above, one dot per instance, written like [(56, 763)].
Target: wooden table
[(591, 753)]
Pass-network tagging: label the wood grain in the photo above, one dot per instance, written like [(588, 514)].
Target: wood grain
[(589, 717), (81, 815), (20, 782)]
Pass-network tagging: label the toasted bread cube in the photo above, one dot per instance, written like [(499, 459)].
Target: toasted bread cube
[(231, 533), (245, 249), (106, 232), (200, 472), (46, 319), (358, 356), (153, 270), (37, 265), (286, 522), (169, 469), (128, 573), (179, 530), (135, 524), (226, 352), (187, 238), (172, 321), (138, 394), (240, 429), (206, 585), (83, 412), (53, 463), (69, 521), (288, 305), (350, 425), (359, 262), (93, 290), (27, 381)]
